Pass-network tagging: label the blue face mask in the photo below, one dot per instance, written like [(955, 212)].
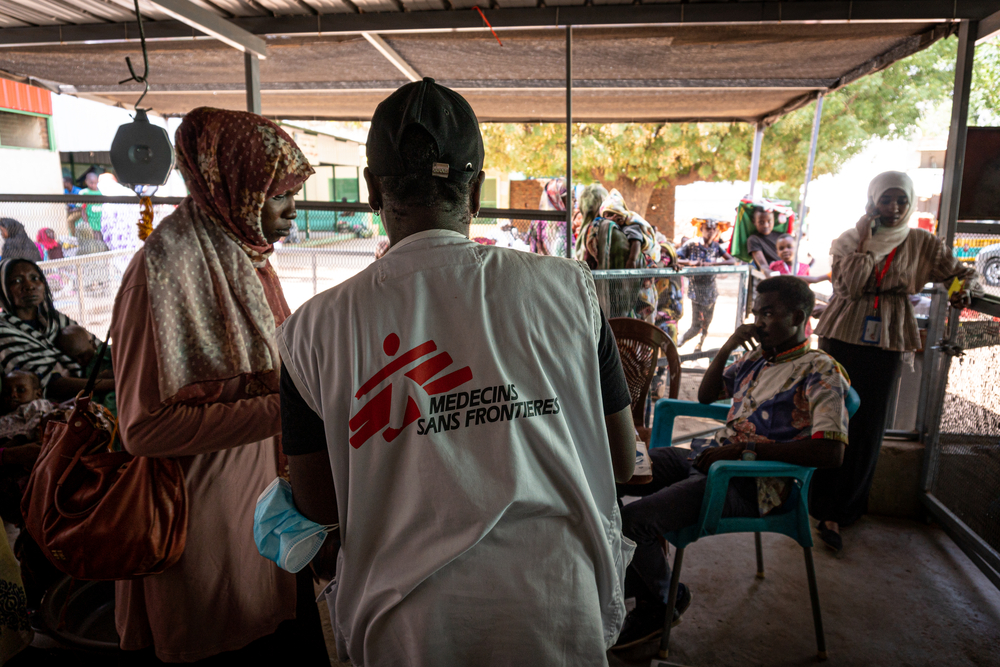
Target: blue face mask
[(281, 533)]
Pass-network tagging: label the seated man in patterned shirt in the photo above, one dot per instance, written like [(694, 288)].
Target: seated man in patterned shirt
[(788, 405)]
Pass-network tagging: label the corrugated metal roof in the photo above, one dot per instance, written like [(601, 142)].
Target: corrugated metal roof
[(745, 70)]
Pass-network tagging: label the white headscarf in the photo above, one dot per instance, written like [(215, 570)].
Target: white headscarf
[(884, 239)]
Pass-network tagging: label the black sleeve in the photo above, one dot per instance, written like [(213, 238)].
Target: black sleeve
[(614, 390), (302, 430), (754, 243)]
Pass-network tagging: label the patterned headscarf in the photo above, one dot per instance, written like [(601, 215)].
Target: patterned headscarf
[(214, 297), (232, 161), (615, 203), (553, 196)]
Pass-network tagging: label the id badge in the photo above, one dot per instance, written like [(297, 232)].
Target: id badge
[(871, 330)]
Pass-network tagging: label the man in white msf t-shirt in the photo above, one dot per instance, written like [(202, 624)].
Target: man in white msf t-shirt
[(461, 412)]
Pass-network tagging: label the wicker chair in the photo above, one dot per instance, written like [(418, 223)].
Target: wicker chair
[(640, 345)]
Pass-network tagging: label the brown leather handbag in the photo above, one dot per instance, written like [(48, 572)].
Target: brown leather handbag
[(103, 514)]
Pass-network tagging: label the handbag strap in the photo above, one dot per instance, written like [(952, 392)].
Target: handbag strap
[(92, 381)]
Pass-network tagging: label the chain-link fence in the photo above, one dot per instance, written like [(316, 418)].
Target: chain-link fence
[(964, 469), (87, 242), (698, 307)]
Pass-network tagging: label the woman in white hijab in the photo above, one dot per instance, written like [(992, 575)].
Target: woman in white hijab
[(868, 326)]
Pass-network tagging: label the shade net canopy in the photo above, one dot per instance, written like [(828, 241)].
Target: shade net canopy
[(322, 66)]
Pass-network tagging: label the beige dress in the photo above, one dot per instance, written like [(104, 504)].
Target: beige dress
[(222, 594), (921, 258)]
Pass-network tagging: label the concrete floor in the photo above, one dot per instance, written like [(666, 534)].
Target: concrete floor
[(901, 593)]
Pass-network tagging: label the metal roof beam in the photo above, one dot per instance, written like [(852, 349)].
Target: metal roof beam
[(707, 13), (805, 85), (392, 56), (988, 27), (213, 25)]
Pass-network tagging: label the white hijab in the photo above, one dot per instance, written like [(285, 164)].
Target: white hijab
[(884, 239)]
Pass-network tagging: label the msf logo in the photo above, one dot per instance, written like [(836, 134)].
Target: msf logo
[(373, 417)]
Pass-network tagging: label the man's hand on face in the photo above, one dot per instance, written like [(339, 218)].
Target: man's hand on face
[(713, 454), (746, 333)]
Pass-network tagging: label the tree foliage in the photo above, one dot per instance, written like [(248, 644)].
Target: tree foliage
[(636, 158), (984, 105)]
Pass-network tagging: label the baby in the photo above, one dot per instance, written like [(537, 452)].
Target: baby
[(25, 411), (77, 344), (20, 388)]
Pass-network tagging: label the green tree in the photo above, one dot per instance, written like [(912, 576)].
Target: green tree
[(984, 105), (638, 158)]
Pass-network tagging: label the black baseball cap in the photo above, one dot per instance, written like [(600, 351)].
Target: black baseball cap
[(444, 114)]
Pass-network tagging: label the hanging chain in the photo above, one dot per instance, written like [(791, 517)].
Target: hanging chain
[(145, 61)]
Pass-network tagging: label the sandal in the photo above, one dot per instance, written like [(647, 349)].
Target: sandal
[(831, 538)]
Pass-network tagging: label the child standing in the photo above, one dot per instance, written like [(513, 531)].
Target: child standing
[(783, 266), (762, 245), (786, 255), (702, 290)]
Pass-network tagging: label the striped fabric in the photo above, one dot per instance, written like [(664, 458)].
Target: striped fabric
[(22, 347), (920, 259)]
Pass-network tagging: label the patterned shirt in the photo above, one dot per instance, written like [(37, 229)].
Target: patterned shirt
[(702, 289), (797, 395)]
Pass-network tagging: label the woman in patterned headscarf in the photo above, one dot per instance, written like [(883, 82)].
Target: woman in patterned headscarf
[(197, 379), (549, 237), (644, 251)]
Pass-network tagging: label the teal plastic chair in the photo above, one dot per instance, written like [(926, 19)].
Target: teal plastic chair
[(791, 520)]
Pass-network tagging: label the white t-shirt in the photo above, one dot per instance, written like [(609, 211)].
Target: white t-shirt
[(460, 391)]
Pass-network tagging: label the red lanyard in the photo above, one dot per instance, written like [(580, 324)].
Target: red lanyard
[(881, 274)]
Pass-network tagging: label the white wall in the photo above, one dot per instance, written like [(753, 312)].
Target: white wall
[(27, 171), (84, 125)]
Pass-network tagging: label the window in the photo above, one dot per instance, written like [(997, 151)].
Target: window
[(20, 130)]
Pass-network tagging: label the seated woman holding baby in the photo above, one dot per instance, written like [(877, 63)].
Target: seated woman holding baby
[(37, 338)]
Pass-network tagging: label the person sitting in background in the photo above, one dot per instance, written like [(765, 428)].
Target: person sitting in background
[(16, 244), (788, 405), (48, 245), (29, 326), (702, 289)]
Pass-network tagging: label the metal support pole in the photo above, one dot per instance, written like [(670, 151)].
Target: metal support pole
[(569, 141), (252, 71), (758, 138), (954, 160), (936, 364), (805, 188)]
